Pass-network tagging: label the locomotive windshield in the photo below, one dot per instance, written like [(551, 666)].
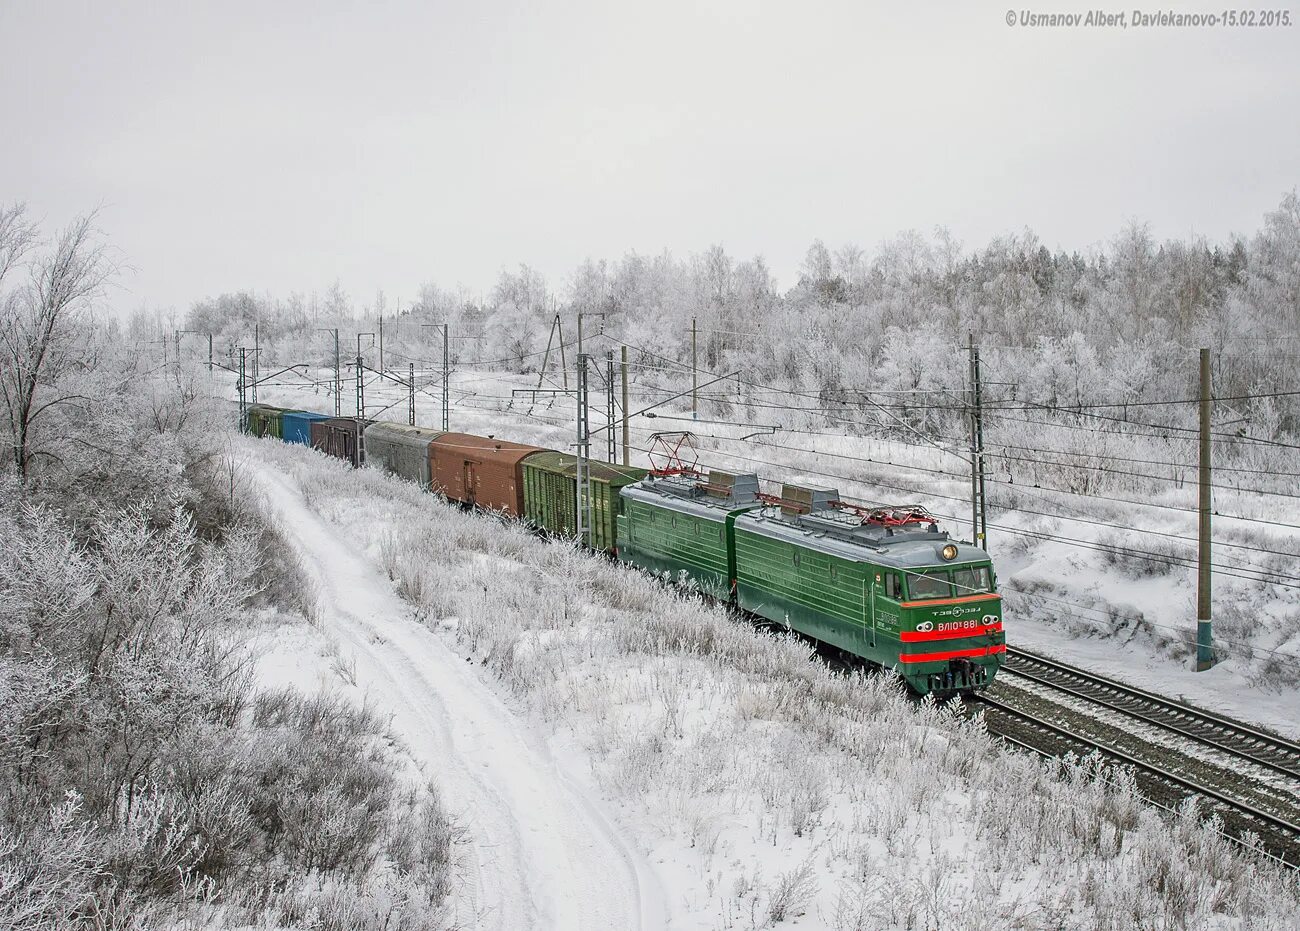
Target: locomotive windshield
[(925, 585), (971, 580), (937, 583)]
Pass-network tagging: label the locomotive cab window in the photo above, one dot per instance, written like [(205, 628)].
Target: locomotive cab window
[(893, 589), (972, 580), (925, 585)]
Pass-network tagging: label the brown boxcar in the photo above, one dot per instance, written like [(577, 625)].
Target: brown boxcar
[(480, 470), (341, 437)]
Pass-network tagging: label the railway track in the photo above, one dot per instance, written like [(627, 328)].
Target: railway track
[(1249, 777), (1232, 737)]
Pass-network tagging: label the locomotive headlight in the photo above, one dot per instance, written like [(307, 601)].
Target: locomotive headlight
[(949, 552)]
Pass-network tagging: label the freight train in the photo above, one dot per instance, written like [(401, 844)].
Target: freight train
[(881, 583)]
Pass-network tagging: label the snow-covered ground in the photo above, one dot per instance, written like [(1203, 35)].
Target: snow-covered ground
[(620, 755), (1063, 600), (543, 853)]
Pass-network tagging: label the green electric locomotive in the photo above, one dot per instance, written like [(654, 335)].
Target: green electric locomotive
[(884, 584)]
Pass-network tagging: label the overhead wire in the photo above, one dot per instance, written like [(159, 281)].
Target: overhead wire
[(1290, 583), (1262, 574)]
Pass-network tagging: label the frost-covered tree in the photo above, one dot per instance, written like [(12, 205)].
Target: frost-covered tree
[(41, 348), (513, 336), (1273, 279)]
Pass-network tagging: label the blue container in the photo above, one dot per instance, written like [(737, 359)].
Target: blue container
[(296, 426)]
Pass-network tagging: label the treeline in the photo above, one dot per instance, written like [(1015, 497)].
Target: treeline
[(1058, 329)]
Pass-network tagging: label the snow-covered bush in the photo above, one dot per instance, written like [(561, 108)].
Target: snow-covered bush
[(141, 776), (1156, 556), (49, 870)]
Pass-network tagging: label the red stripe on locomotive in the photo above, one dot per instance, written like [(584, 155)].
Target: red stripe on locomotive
[(951, 654)]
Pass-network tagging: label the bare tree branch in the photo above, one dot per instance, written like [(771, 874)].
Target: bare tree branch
[(17, 237), (39, 342)]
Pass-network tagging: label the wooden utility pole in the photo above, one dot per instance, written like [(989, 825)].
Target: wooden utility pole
[(625, 408), (381, 342), (981, 532), (546, 356), (410, 386), (1204, 635), (978, 509), (338, 379), (564, 365)]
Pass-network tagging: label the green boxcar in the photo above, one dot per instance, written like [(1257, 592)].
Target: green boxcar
[(683, 525), (550, 495), (265, 420), (904, 597)]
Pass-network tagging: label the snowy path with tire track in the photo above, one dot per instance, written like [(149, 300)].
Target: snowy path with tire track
[(544, 854)]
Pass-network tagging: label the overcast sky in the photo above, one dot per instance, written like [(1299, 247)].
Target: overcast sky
[(281, 146)]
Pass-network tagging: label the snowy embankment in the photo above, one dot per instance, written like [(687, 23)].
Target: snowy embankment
[(617, 752), (543, 856), (1079, 602)]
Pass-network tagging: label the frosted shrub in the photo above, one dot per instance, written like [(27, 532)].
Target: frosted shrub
[(322, 789), (138, 781), (1167, 555), (156, 844), (792, 892), (48, 872)]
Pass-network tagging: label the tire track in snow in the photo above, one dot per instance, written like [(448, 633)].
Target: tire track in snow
[(546, 857)]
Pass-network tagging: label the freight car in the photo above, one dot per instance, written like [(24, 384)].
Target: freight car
[(551, 494), (265, 420), (884, 584), (480, 471), (340, 437), (295, 426), (400, 450)]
